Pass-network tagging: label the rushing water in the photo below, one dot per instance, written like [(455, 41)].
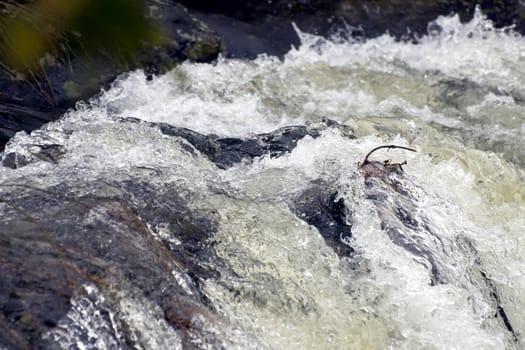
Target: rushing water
[(452, 278)]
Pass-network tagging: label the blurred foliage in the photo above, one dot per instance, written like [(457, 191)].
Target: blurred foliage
[(68, 29)]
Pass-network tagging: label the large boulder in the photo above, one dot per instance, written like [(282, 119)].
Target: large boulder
[(65, 257)]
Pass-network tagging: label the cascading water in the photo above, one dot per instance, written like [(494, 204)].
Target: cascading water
[(435, 258)]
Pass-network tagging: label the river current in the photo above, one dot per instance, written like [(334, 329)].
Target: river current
[(454, 278)]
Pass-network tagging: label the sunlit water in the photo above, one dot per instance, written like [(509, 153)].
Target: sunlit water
[(457, 96)]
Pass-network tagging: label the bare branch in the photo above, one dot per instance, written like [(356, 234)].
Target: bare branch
[(389, 147)]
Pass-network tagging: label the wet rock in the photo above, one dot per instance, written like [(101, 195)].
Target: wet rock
[(460, 93), (14, 160), (400, 217), (54, 244), (225, 152), (320, 207), (410, 19), (15, 117), (499, 305), (483, 281), (45, 152), (253, 27), (186, 37)]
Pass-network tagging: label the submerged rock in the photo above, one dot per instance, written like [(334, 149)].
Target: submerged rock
[(397, 208), (320, 207), (225, 152)]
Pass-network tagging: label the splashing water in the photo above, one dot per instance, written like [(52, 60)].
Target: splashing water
[(438, 250)]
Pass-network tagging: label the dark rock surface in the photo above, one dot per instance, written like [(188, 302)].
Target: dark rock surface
[(16, 117), (320, 206), (253, 27), (257, 26), (53, 243), (225, 152)]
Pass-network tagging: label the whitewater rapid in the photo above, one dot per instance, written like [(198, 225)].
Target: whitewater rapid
[(457, 96)]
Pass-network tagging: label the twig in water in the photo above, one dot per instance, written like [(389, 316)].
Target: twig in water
[(387, 162)]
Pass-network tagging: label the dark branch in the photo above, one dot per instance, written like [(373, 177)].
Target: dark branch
[(389, 147)]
